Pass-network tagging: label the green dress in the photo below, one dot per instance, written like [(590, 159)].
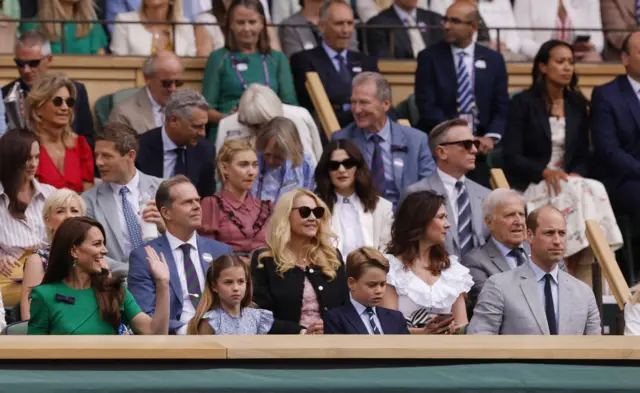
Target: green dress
[(87, 45), (222, 87), (57, 317)]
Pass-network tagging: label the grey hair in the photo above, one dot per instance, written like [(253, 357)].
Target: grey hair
[(32, 38), (182, 102), (383, 89), (496, 198), (324, 10), (149, 65), (258, 104), (440, 132)]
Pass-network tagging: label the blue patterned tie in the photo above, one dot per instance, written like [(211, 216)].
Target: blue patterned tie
[(377, 165), (342, 69), (133, 226), (372, 321), (465, 91), (465, 232), (193, 283)]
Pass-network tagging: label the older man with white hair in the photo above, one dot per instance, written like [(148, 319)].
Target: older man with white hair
[(258, 105)]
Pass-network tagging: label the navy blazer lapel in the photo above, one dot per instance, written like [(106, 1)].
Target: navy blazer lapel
[(448, 72), (156, 155), (354, 319), (630, 98), (326, 66), (541, 113), (400, 36), (193, 163), (572, 131), (399, 154), (174, 278), (386, 323)]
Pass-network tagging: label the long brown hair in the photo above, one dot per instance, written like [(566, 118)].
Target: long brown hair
[(109, 291), (414, 215), (15, 150), (264, 45), (210, 299), (364, 185)]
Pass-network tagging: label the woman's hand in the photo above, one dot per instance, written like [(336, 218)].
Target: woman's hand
[(553, 179), (157, 265), (7, 264), (436, 326), (316, 328)]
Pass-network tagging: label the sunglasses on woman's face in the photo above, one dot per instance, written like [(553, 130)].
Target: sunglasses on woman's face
[(305, 211), (167, 83), (57, 101), (467, 143), (347, 164)]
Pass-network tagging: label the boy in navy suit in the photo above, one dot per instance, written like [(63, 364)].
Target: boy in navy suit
[(367, 272)]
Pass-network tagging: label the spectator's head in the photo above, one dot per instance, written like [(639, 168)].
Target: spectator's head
[(60, 205), (336, 24), (419, 231), (186, 117), (49, 108), (247, 27), (173, 8), (83, 10), (547, 234), (342, 169), (504, 215), (19, 158), (631, 55), (179, 204), (163, 75), (367, 270), (33, 56), (406, 5), (237, 166), (461, 21), (453, 147), (279, 141), (370, 100), (116, 147), (258, 105), (300, 227)]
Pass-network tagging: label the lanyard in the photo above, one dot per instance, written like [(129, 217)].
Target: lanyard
[(234, 64)]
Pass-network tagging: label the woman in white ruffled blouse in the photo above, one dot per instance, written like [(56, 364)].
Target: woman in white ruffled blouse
[(425, 283)]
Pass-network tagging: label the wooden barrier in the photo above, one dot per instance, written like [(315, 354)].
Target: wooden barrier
[(498, 179), (321, 103)]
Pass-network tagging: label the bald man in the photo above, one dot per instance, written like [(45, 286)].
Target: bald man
[(144, 110)]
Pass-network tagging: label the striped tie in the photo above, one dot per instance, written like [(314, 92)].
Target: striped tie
[(372, 321), (193, 283), (465, 92), (464, 219), (377, 165)]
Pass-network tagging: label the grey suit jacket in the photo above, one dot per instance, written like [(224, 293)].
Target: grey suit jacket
[(296, 39), (510, 303), (101, 206), (476, 192), (136, 112)]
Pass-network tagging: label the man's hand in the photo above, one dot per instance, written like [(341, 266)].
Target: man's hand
[(486, 144)]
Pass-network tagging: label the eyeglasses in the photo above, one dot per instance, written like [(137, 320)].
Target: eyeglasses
[(305, 211), (347, 164), (24, 63), (167, 83), (57, 101), (467, 143), (456, 21)]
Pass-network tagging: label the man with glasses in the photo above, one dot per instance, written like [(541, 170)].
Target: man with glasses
[(457, 78), (144, 110), (33, 58), (454, 148)]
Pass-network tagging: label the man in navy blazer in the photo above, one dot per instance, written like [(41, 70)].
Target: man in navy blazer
[(481, 97), (179, 146), (615, 129), (406, 157), (188, 255)]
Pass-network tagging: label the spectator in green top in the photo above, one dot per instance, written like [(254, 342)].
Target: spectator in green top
[(79, 38), (246, 58)]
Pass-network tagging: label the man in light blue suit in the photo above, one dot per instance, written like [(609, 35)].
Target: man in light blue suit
[(398, 156), (188, 255), (454, 147)]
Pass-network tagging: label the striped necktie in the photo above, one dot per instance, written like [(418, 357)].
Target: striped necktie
[(465, 92), (377, 165), (193, 283), (465, 232), (372, 321)]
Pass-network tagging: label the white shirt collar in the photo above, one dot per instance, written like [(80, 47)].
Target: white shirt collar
[(167, 143), (402, 14), (332, 52), (360, 308), (448, 180), (353, 199), (155, 107), (175, 243), (540, 273), (132, 185), (635, 85), (469, 50)]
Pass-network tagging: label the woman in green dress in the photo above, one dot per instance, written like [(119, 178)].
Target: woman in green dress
[(246, 58), (77, 295)]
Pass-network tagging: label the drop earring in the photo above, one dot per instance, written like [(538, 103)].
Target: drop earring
[(75, 263)]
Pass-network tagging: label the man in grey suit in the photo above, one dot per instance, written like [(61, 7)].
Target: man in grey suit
[(398, 156), (125, 200), (537, 297), (454, 148), (504, 215)]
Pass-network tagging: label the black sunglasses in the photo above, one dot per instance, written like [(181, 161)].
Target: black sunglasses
[(347, 164), (467, 143), (456, 21), (305, 211), (24, 63), (167, 83), (57, 101)]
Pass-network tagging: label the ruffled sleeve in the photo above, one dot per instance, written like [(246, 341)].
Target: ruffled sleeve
[(213, 317), (397, 276), (86, 160), (455, 281), (265, 321), (210, 218)]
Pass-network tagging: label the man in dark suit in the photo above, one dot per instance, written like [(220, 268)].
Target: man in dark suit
[(457, 78), (33, 58), (417, 29), (615, 129), (179, 147), (335, 64)]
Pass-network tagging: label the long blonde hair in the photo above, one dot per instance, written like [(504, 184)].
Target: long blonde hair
[(229, 150), (42, 91), (319, 251), (84, 10), (176, 13)]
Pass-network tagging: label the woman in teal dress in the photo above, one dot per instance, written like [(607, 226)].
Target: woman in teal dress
[(246, 58), (79, 38), (77, 295)]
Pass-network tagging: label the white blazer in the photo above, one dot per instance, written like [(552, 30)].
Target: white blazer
[(375, 226), (544, 13), (132, 39), (229, 128)]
